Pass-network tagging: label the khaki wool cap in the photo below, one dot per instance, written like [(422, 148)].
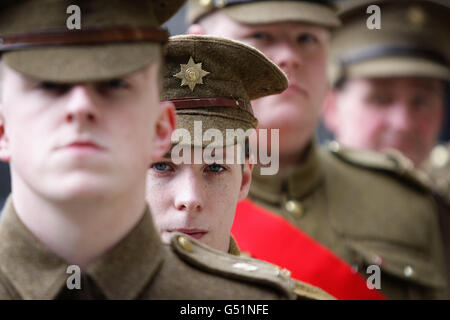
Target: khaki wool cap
[(213, 80), (117, 37), (319, 12), (413, 40)]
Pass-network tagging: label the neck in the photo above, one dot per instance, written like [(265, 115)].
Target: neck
[(291, 159), (80, 230)]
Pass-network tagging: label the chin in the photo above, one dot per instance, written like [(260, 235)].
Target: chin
[(86, 188)]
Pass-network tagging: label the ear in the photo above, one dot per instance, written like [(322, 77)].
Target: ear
[(246, 180), (165, 125), (5, 154), (329, 112), (196, 29)]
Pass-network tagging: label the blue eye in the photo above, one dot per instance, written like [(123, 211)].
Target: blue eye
[(54, 87), (215, 168), (161, 167), (307, 38), (259, 36), (116, 84)]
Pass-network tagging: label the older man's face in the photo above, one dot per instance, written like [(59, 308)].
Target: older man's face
[(405, 114)]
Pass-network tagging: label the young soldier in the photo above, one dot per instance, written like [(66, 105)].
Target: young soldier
[(367, 209), (80, 123), (199, 197)]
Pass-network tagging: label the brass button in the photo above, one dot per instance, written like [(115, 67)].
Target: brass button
[(221, 3), (294, 207), (408, 271), (439, 157), (206, 3), (185, 244)]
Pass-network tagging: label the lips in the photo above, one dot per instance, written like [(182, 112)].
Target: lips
[(295, 89), (81, 145), (84, 145), (194, 233)]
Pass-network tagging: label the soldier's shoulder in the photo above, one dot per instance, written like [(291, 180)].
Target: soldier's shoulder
[(393, 164), (201, 272), (306, 290)]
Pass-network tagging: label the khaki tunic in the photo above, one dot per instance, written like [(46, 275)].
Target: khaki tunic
[(139, 267), (368, 210)]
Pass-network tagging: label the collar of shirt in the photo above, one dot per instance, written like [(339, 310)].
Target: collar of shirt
[(297, 183), (35, 272)]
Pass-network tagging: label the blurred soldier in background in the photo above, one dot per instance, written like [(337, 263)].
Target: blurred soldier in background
[(389, 84), (389, 79), (329, 209)]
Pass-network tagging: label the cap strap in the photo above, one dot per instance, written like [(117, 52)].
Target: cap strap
[(391, 50), (211, 102), (81, 37)]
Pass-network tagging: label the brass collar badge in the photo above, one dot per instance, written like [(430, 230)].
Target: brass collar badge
[(191, 74)]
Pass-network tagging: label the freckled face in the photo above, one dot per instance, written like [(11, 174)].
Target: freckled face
[(197, 199)]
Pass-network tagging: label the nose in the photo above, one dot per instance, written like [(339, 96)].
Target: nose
[(189, 197), (81, 107), (401, 117), (287, 57)]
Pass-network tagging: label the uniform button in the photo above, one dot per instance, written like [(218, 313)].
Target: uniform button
[(221, 3), (408, 271), (206, 3), (294, 207), (185, 244), (334, 146)]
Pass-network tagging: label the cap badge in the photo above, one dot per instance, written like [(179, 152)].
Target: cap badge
[(191, 74)]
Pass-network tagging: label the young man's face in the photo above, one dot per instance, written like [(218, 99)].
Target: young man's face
[(405, 114), (300, 50), (87, 141), (197, 199)]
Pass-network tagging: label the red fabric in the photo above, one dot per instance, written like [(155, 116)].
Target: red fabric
[(267, 236)]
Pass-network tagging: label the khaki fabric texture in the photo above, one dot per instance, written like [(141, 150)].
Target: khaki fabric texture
[(265, 12), (368, 210), (77, 63), (413, 41), (138, 267), (222, 68)]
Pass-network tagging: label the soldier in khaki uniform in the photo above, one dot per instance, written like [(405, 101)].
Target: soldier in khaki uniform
[(81, 120), (183, 196), (367, 208), (199, 198), (389, 83)]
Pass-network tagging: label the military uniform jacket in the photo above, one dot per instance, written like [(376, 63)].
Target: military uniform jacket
[(138, 267), (368, 209)]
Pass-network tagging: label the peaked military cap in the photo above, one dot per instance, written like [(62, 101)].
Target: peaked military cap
[(413, 40), (117, 37), (213, 80), (320, 12)]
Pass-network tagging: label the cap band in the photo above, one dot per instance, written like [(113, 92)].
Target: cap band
[(82, 37), (211, 102), (391, 50)]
